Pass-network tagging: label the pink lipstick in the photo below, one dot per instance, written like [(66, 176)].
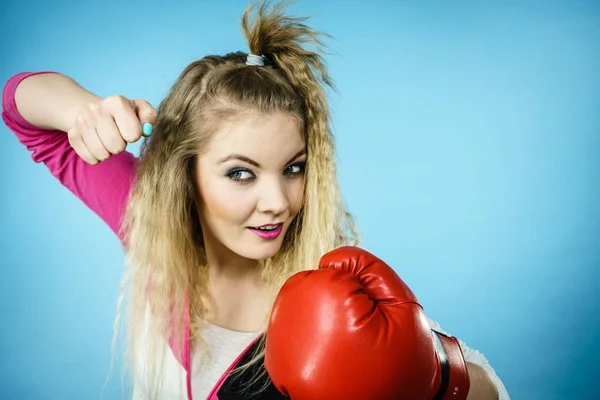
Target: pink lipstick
[(268, 231)]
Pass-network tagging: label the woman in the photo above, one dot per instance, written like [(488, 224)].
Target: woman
[(235, 190)]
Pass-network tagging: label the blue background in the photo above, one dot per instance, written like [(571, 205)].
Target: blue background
[(468, 136)]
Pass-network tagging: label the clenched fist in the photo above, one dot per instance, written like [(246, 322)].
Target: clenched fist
[(105, 127)]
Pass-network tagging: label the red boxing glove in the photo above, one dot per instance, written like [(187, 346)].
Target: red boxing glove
[(353, 330)]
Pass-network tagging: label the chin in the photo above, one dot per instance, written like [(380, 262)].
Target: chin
[(263, 255), (260, 252)]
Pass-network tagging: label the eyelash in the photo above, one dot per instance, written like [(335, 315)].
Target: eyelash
[(236, 171)]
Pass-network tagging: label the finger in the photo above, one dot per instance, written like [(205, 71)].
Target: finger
[(146, 115), (110, 136), (76, 142), (126, 121), (94, 144), (144, 111)]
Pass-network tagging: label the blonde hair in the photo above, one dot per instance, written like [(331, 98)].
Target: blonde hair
[(166, 273)]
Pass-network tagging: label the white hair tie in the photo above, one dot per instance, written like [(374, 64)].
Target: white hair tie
[(253, 59)]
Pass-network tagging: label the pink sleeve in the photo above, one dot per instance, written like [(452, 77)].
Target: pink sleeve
[(104, 188)]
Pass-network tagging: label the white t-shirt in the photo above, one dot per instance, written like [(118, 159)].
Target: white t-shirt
[(226, 345)]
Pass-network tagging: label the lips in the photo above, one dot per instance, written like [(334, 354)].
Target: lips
[(270, 231)]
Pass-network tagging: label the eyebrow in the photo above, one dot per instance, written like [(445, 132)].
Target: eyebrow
[(252, 162)]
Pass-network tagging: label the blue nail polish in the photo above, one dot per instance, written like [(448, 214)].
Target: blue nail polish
[(147, 129)]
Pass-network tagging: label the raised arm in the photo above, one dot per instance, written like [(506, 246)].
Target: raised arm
[(78, 136), (50, 101)]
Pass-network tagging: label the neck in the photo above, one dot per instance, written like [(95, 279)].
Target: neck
[(236, 288)]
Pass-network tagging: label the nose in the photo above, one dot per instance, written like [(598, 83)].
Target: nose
[(273, 197)]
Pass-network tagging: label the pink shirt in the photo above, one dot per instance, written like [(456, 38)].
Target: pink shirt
[(104, 188)]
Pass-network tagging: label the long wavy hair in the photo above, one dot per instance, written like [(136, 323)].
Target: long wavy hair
[(165, 280)]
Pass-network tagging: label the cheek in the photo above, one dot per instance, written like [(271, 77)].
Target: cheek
[(222, 201), (296, 195)]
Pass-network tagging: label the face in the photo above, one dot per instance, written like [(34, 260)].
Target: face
[(250, 182)]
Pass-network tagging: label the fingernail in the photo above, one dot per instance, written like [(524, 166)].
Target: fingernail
[(147, 129)]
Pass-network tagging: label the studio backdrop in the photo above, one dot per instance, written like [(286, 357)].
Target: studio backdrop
[(468, 143)]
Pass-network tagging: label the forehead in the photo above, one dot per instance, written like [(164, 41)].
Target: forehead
[(262, 136)]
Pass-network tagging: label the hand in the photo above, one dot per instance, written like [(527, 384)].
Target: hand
[(105, 127), (354, 330)]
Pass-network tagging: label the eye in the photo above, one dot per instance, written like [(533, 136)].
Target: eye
[(240, 175), (295, 169)]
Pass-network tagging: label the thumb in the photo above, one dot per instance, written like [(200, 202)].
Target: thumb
[(145, 113)]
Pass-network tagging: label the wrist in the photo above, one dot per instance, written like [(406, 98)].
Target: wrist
[(76, 102), (482, 387)]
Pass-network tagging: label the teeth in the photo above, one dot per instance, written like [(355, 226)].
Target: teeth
[(267, 227)]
